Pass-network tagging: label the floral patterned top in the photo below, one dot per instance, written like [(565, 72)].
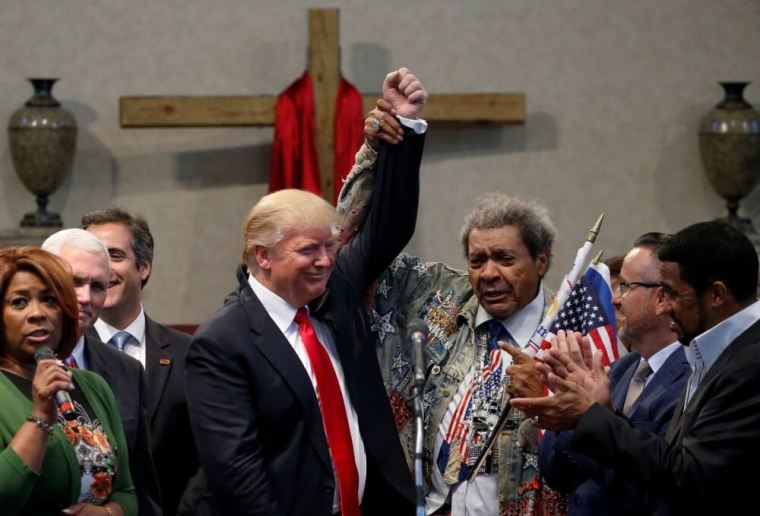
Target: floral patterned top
[(94, 453)]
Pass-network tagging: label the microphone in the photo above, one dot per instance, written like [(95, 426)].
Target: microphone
[(417, 333), (62, 398)]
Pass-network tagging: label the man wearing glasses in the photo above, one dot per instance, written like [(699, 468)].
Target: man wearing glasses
[(645, 384), (709, 277)]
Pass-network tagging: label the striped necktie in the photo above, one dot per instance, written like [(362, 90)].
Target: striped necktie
[(638, 381), (120, 339)]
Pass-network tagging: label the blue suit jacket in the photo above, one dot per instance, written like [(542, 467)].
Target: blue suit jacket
[(593, 488)]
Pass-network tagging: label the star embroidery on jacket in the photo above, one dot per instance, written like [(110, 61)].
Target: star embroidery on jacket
[(382, 324), (397, 264), (421, 269), (427, 399), (531, 461), (400, 364), (384, 288)]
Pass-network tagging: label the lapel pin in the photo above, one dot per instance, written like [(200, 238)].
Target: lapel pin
[(164, 361)]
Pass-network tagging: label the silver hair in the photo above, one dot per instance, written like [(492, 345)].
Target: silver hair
[(495, 210), (78, 238)]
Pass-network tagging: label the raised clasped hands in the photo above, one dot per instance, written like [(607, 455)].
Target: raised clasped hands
[(381, 124), (576, 379), (403, 95)]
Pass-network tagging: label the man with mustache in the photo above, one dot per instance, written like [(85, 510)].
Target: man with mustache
[(91, 268)]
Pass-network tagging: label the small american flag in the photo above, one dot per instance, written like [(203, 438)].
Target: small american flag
[(589, 310)]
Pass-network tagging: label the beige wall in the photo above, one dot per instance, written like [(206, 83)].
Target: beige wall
[(615, 90)]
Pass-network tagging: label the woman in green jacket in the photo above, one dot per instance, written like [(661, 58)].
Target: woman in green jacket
[(51, 464)]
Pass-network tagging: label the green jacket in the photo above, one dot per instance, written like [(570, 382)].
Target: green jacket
[(57, 486)]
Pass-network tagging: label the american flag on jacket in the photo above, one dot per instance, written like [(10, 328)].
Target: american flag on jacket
[(589, 310)]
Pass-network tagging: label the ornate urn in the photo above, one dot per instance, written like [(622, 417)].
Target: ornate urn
[(42, 137), (729, 145)]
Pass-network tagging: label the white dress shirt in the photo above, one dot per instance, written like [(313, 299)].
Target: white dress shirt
[(283, 315), (135, 347), (481, 496), (78, 354)]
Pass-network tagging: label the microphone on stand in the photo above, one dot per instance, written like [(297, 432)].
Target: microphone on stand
[(62, 398), (417, 335), (417, 332)]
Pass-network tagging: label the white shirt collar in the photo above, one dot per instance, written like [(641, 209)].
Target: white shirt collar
[(281, 312), (523, 323), (709, 345), (659, 358), (78, 354), (136, 328)]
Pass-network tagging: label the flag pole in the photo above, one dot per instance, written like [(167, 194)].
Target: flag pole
[(534, 345)]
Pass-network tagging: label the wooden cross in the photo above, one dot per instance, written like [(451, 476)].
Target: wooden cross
[(324, 66)]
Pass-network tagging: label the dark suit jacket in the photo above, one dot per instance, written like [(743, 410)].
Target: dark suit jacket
[(172, 445), (174, 453), (593, 488), (124, 375), (704, 464), (254, 412)]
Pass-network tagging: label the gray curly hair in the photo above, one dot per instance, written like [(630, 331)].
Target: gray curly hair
[(495, 210)]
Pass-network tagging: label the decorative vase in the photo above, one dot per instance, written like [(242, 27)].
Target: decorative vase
[(729, 145), (43, 138)]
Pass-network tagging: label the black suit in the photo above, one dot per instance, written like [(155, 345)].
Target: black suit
[(125, 376), (172, 444), (705, 464), (174, 452), (254, 412)]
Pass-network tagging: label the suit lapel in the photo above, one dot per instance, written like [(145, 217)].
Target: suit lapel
[(621, 389), (95, 359), (273, 345), (159, 362), (670, 372), (676, 424), (705, 390), (683, 419)]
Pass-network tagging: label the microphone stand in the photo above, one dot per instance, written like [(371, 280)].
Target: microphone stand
[(418, 445), (418, 335)]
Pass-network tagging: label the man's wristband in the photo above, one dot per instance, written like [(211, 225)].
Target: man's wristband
[(39, 422)]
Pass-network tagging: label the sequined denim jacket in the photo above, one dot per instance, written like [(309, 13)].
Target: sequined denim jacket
[(441, 296)]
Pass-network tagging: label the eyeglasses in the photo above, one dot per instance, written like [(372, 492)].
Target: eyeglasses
[(625, 286)]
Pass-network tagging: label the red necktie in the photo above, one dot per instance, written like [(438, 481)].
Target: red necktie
[(71, 362), (333, 416)]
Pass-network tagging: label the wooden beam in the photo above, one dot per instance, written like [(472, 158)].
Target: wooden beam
[(197, 111), (258, 111), (500, 108), (324, 66)]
